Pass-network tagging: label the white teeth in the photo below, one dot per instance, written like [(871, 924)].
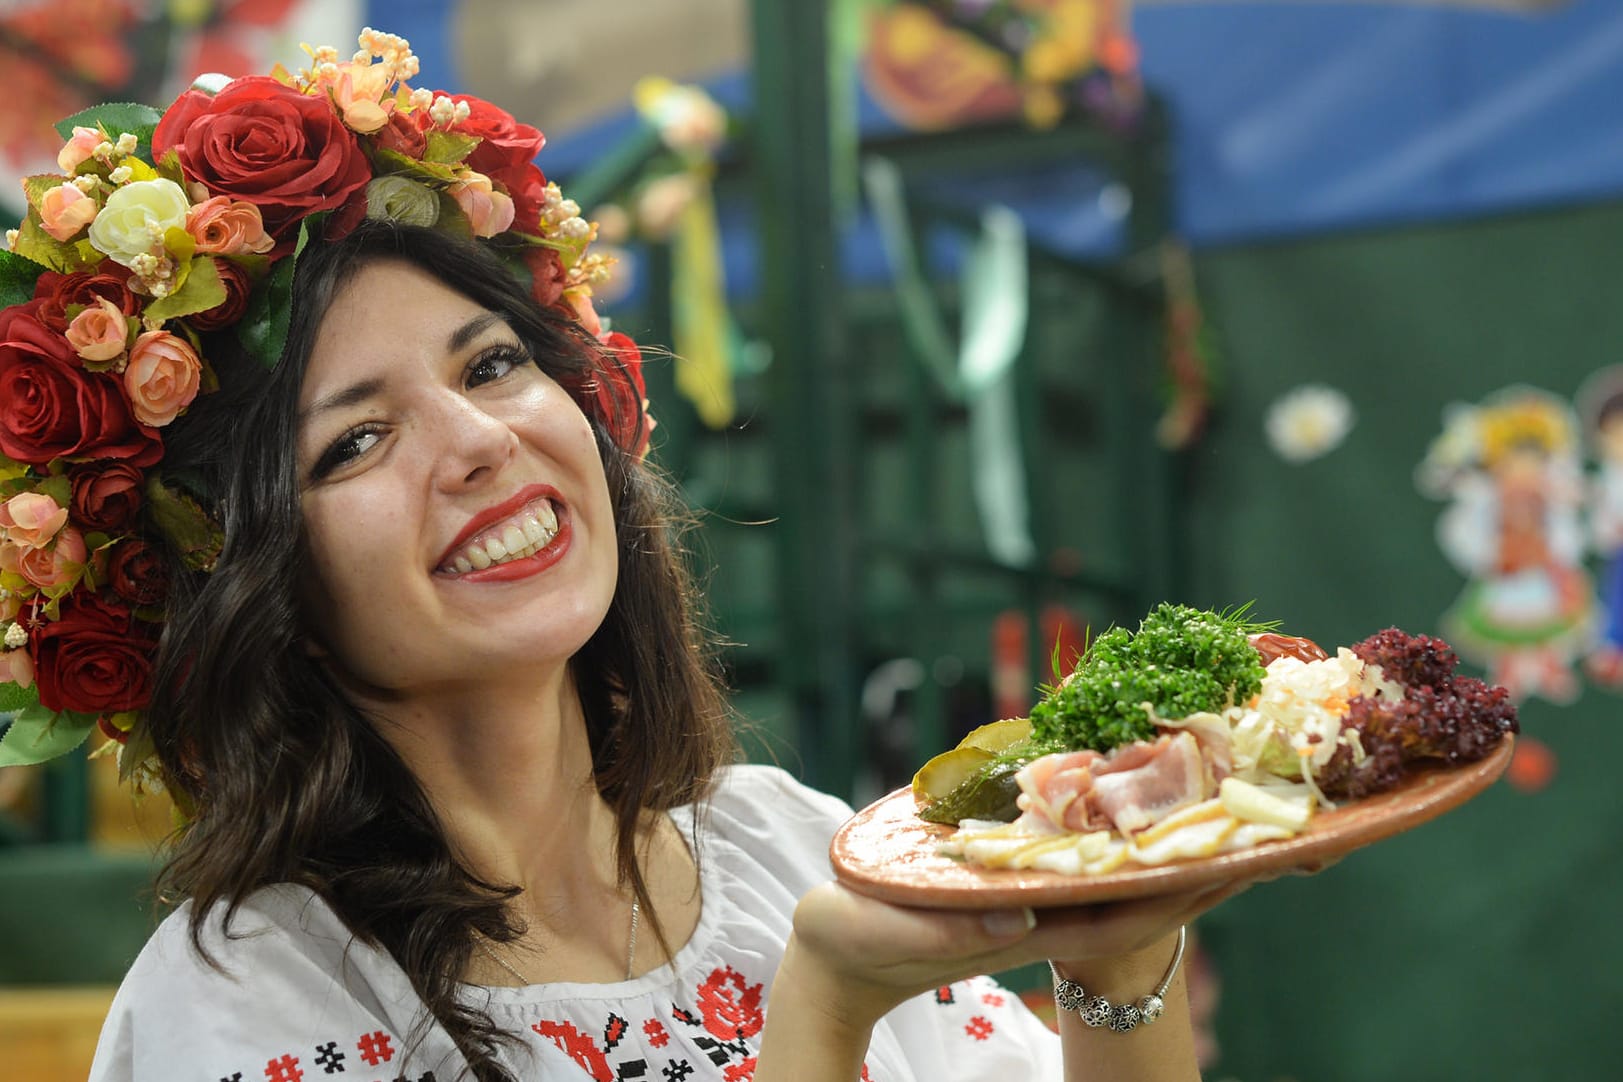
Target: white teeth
[(524, 535)]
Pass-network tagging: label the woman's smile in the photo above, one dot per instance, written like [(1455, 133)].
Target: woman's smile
[(516, 538)]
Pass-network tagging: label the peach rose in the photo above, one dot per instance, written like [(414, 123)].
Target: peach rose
[(585, 313), (99, 332), (18, 667), (31, 519), (489, 212), (79, 148), (64, 210), (358, 92), (59, 565), (161, 378), (224, 226)]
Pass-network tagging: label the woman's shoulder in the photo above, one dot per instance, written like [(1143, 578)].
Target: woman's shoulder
[(278, 980), (755, 792)]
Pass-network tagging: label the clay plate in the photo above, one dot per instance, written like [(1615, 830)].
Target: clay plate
[(887, 852)]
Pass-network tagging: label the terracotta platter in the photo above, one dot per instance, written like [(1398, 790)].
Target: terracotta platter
[(886, 851)]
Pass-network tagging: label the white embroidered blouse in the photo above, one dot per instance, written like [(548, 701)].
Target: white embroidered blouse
[(303, 1000)]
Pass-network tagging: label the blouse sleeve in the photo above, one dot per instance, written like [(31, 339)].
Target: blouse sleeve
[(972, 1031), (296, 997)]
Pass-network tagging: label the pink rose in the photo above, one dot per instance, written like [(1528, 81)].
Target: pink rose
[(78, 149), (98, 334), (31, 519), (225, 226), (162, 377), (489, 212), (59, 565), (106, 495), (65, 210)]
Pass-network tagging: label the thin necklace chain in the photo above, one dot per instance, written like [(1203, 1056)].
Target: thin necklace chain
[(631, 951)]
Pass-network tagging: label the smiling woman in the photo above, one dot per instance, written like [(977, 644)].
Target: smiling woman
[(401, 619)]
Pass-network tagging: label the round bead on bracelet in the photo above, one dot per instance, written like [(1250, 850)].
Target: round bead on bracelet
[(1097, 1011)]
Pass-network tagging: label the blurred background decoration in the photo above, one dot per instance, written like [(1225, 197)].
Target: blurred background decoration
[(999, 320)]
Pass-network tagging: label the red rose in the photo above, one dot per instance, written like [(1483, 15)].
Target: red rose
[(106, 495), (620, 393), (58, 291), (505, 144), (404, 133), (51, 407), (95, 658), (506, 155), (228, 311), (260, 141), (138, 573), (546, 275)]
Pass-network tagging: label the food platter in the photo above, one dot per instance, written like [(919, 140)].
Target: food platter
[(887, 852)]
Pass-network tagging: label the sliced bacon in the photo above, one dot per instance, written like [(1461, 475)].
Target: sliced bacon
[(1216, 739), (1051, 787), (1166, 776), (1131, 788)]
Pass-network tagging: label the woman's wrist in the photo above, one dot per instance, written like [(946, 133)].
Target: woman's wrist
[(816, 1027), (1123, 977)]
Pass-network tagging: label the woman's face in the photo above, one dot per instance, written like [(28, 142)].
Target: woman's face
[(458, 519)]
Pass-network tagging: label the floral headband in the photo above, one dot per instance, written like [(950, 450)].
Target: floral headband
[(162, 226)]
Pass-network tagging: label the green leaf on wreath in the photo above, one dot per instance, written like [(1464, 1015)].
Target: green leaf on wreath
[(183, 520), (17, 278), (201, 291), (37, 735), (14, 697), (449, 147), (263, 327), (36, 244), (58, 488), (35, 187), (405, 165), (115, 118)]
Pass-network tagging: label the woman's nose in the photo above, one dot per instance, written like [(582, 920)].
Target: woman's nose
[(469, 444)]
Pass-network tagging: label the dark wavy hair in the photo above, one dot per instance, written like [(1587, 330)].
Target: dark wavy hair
[(285, 780)]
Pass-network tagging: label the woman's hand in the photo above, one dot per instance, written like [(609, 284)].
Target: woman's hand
[(872, 956)]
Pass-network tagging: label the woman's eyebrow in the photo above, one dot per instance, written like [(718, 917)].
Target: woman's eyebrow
[(349, 396), (360, 391), (471, 330)]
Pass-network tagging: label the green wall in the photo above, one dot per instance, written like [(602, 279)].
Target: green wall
[(1482, 946)]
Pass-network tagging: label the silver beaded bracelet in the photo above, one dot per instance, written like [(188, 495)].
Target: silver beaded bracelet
[(1097, 1011)]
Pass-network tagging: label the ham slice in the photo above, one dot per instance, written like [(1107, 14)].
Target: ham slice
[(1130, 789)]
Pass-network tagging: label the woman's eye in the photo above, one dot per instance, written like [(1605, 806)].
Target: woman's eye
[(346, 449), (493, 364)]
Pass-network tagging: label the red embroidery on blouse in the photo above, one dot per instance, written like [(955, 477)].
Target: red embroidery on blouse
[(991, 999), (655, 1032), (375, 1048), (978, 1028), (578, 1047), (731, 1008), (284, 1069), (741, 1072)]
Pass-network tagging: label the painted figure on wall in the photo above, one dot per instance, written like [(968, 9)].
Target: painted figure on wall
[(1600, 402), (1511, 468)]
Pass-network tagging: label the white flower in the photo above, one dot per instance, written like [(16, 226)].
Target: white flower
[(135, 218), (1309, 421), (16, 636)]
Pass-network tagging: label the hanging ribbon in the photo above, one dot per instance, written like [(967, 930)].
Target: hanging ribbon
[(995, 310)]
